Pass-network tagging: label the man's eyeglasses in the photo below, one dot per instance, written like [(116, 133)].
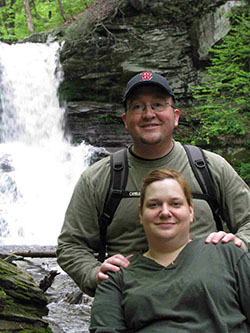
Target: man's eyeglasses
[(158, 106)]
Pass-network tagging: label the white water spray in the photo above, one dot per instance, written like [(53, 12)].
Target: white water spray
[(38, 167)]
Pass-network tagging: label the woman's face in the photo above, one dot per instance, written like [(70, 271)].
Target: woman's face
[(165, 213)]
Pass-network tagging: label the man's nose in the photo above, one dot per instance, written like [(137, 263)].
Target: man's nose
[(148, 111)]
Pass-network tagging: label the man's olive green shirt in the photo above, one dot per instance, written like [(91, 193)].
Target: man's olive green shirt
[(80, 234)]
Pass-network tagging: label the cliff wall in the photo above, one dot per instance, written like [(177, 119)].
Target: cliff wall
[(104, 46)]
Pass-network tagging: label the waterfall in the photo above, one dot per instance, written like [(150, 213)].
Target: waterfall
[(38, 166)]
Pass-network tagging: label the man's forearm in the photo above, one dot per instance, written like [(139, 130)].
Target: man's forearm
[(80, 265)]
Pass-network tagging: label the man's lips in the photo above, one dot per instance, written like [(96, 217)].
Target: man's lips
[(166, 222), (150, 125)]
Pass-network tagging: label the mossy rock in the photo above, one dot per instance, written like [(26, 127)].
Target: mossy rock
[(22, 303)]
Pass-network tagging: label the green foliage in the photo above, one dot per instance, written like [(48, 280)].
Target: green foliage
[(2, 293), (224, 97), (244, 170), (46, 15)]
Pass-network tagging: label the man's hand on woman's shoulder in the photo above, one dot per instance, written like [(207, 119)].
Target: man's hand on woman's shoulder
[(112, 264), (216, 237)]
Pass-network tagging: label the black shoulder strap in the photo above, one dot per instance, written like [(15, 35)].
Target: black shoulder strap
[(202, 173), (118, 181)]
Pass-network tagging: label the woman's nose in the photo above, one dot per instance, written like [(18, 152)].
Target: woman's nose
[(165, 210)]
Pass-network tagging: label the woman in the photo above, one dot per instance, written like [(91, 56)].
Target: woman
[(179, 284)]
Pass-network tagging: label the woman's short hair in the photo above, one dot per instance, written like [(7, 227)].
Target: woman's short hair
[(161, 174)]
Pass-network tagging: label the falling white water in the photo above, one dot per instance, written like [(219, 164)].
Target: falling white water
[(38, 167)]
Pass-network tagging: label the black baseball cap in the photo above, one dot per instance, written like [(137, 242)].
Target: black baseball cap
[(144, 78)]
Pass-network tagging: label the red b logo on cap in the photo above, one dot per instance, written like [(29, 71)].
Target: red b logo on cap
[(146, 76)]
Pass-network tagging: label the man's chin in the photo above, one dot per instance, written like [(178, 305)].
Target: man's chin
[(150, 141)]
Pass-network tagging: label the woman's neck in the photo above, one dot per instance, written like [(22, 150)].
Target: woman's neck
[(165, 257)]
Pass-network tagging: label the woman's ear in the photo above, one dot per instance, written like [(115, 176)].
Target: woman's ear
[(140, 213), (191, 208)]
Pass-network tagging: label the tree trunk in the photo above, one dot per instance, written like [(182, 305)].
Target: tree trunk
[(28, 254), (61, 10), (28, 17)]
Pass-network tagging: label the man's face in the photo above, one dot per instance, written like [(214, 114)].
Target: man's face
[(150, 127)]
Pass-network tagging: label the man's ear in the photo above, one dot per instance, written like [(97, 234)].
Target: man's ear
[(124, 120), (177, 113)]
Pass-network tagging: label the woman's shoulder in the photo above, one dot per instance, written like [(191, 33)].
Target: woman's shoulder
[(229, 251)]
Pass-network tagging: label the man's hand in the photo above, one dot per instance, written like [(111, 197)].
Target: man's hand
[(216, 237), (112, 264)]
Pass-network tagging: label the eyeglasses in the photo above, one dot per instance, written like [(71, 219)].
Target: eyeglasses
[(157, 106)]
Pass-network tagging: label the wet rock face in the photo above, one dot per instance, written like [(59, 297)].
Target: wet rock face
[(99, 124), (22, 302), (102, 54), (114, 39), (170, 38)]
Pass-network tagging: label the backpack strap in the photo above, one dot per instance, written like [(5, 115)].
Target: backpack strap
[(118, 181), (202, 173), (116, 191)]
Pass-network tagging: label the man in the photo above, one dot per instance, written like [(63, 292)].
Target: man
[(150, 117)]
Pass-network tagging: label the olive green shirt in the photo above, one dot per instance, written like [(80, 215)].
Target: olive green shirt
[(206, 289), (80, 235)]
